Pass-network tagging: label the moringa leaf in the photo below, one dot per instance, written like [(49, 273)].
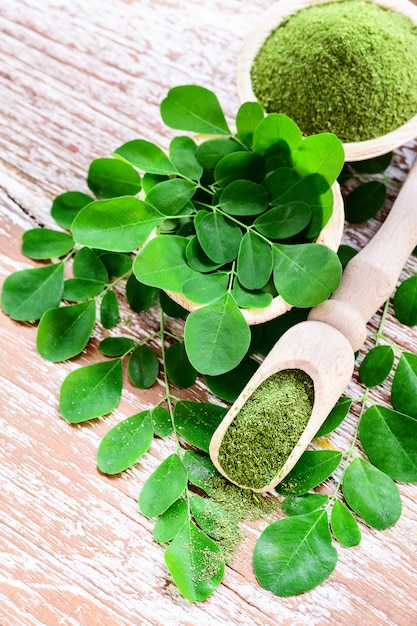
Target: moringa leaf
[(389, 439), (195, 563), (125, 443), (219, 237), (335, 417), (171, 521), (109, 310), (312, 468), (143, 367), (275, 128), (206, 288), (170, 196), (216, 336), (139, 296), (238, 166), (147, 156), (44, 243), (63, 332), (183, 154), (177, 366), (110, 178), (163, 487), (162, 263), (67, 205), (295, 554), (320, 154), (119, 224), (27, 294), (376, 365), (405, 302), (284, 220), (194, 108), (116, 346), (243, 197), (365, 201), (372, 494), (248, 118), (162, 423), (229, 385), (80, 289), (91, 391), (305, 274), (210, 152), (344, 525), (300, 505), (254, 261), (404, 385), (197, 421), (87, 264)]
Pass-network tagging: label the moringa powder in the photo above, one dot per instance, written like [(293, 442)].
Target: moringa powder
[(346, 67), (267, 428)]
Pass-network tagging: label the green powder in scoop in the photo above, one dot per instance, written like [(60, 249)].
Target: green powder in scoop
[(267, 428)]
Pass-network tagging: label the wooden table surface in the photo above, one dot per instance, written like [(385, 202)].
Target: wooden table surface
[(77, 79)]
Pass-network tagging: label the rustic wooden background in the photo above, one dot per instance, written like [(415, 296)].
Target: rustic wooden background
[(77, 79)]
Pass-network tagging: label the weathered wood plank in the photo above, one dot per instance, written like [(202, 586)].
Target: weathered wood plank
[(76, 80)]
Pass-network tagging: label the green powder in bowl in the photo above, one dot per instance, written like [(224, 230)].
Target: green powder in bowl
[(346, 67)]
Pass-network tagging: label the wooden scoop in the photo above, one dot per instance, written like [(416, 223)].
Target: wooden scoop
[(324, 345)]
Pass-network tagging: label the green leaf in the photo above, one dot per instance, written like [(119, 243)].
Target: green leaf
[(200, 469), (404, 385), (116, 346), (322, 154), (300, 505), (251, 299), (405, 302), (117, 263), (87, 264), (305, 274), (197, 421), (206, 288), (63, 332), (210, 152), (335, 417), (216, 336), (170, 196), (243, 197), (389, 439), (163, 487), (344, 525), (376, 365), (365, 201), (170, 307), (239, 166), (197, 259), (27, 294), (195, 563), (284, 221), (312, 468), (162, 263), (91, 391), (147, 156), (125, 443), (254, 262), (183, 154), (273, 129), (139, 296), (372, 494), (109, 310), (143, 367), (295, 554), (80, 289), (229, 385), (281, 183), (219, 237), (213, 519), (44, 243), (194, 108), (119, 225), (171, 521), (67, 205), (346, 254), (109, 178), (248, 118), (162, 423), (178, 368)]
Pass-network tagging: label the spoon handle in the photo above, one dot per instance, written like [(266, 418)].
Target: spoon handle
[(371, 276)]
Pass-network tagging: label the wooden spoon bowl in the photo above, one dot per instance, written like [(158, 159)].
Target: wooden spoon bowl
[(270, 20)]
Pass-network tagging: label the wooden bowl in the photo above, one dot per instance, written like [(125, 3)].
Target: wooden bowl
[(270, 20), (330, 236)]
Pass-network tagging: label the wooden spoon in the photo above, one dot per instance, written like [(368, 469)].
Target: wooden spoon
[(324, 345)]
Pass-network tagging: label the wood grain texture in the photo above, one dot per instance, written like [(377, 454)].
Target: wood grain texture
[(77, 79)]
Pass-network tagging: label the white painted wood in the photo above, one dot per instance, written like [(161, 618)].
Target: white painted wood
[(77, 79)]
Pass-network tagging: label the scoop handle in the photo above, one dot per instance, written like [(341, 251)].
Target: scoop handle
[(371, 276)]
